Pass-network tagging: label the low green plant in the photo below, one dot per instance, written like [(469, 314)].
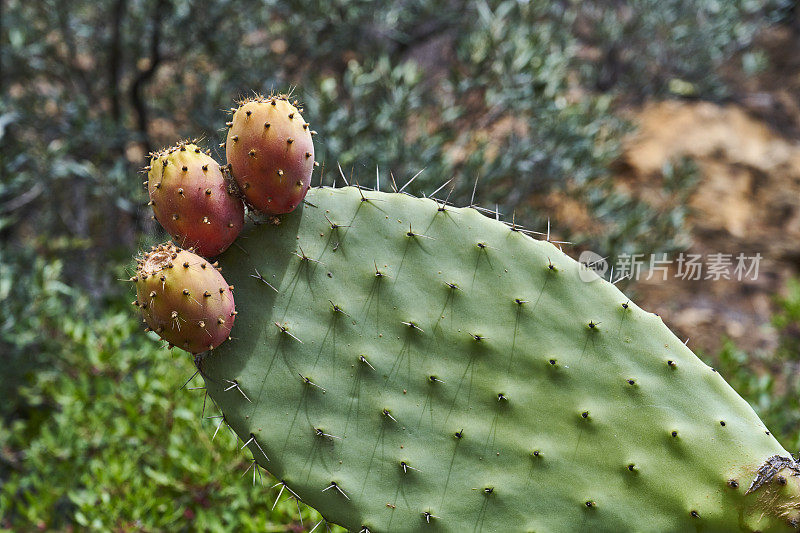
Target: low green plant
[(107, 439)]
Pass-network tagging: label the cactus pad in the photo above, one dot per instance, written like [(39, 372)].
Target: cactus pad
[(405, 366)]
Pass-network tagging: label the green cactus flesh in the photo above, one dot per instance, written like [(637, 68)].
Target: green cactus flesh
[(421, 368)]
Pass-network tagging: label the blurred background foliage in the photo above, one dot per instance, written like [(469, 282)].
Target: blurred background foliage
[(524, 96)]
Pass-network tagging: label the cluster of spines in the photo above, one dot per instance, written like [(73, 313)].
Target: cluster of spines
[(271, 99)]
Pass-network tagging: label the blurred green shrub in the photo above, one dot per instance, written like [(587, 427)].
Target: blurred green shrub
[(787, 320), (34, 306), (107, 441), (657, 47)]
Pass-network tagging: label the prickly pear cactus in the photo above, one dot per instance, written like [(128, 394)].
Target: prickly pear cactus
[(192, 201), (184, 298), (270, 153), (405, 366)]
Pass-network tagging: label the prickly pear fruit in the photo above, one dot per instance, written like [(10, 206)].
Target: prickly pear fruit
[(184, 298), (192, 200), (270, 153)]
